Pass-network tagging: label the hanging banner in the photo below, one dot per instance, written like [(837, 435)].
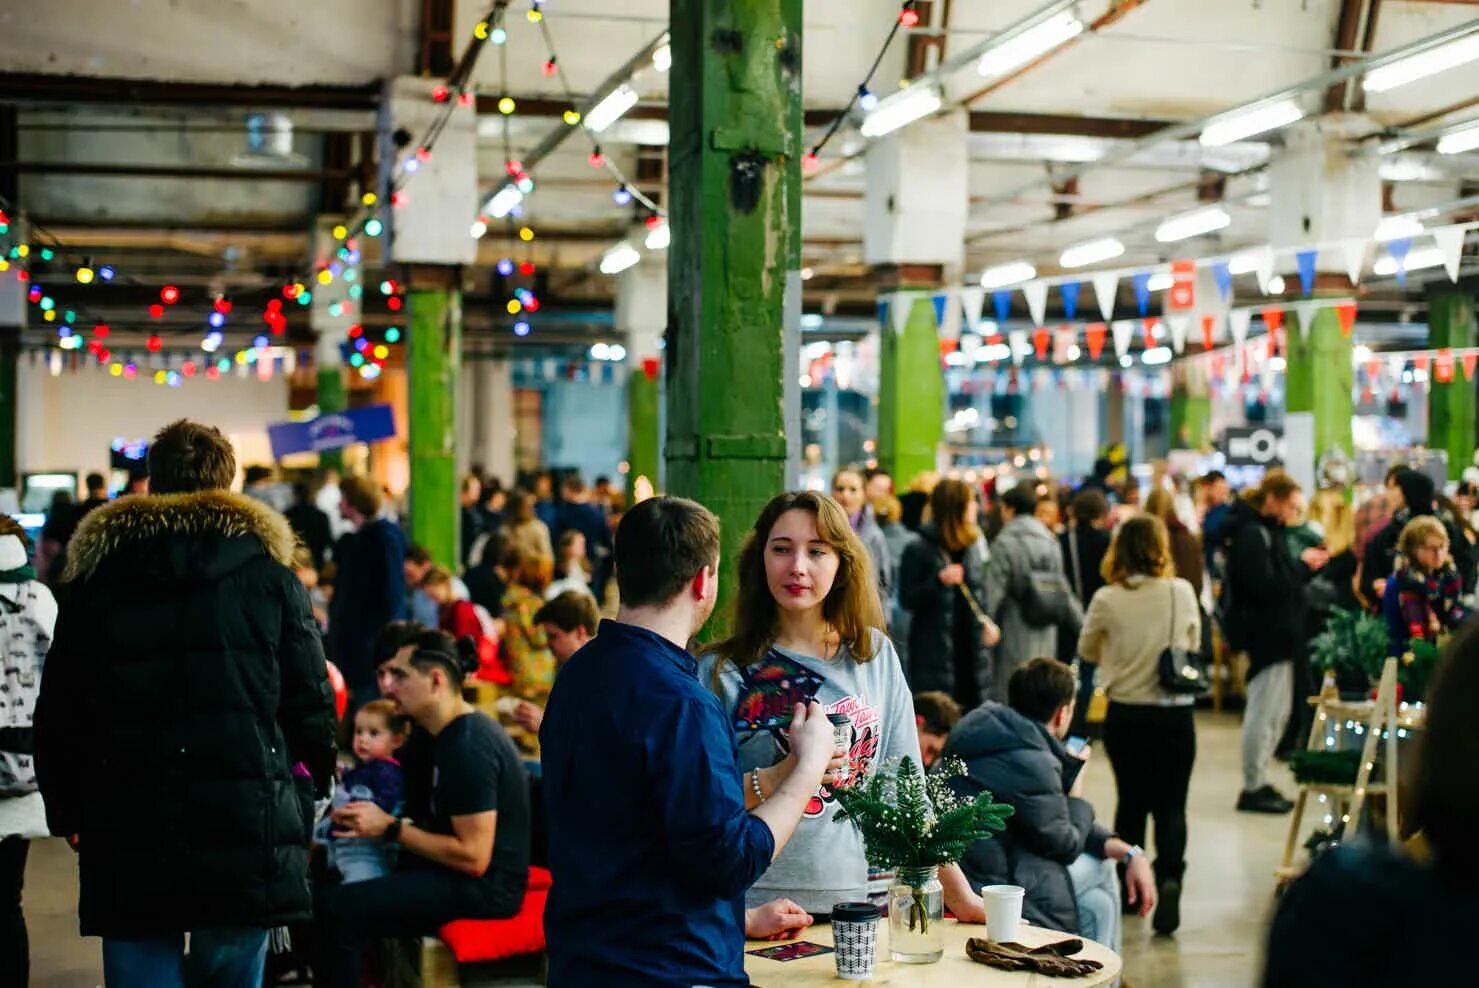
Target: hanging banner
[(1450, 241), (1305, 259), (1018, 340), (1209, 330), (1304, 313), (1094, 335), (972, 301), (1239, 319), (1002, 300), (1273, 317), (333, 431), (1141, 283), (1105, 287), (1355, 259), (939, 300), (1040, 340), (1036, 293), (1223, 273), (1179, 323), (1183, 294), (882, 312), (1122, 329), (1070, 290)]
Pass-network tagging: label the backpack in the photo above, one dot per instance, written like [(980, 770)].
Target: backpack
[(23, 647)]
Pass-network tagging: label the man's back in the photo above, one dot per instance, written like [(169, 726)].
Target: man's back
[(650, 846)]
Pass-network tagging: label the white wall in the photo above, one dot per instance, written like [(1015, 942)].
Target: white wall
[(67, 422)]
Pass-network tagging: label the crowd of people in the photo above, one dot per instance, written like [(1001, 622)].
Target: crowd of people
[(184, 737)]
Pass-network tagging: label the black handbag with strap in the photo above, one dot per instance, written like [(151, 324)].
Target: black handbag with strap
[(1182, 671)]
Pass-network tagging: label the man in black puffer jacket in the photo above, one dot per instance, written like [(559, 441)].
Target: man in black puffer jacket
[(1052, 847), (185, 717)]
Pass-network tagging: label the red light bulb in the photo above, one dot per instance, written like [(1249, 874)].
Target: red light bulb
[(439, 94), (532, 305), (909, 17), (597, 159), (398, 199), (101, 331), (156, 311), (169, 294), (527, 268), (424, 154), (550, 68), (154, 343), (514, 168), (810, 161), (393, 303), (466, 99), (356, 331)]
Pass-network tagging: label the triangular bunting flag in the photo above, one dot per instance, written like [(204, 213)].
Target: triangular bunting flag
[(1018, 340), (1141, 282), (900, 307), (1355, 259), (1420, 362), (1304, 314), (1398, 249), (950, 323), (1305, 259), (1069, 290), (1209, 330), (1105, 287), (1037, 300), (1450, 240), (1239, 320), (1468, 361), (1094, 336), (1179, 324), (972, 301), (1149, 324), (1122, 329), (939, 300), (1346, 313), (1273, 317), (1001, 299), (1223, 274), (1443, 366), (1040, 340), (882, 311), (1265, 268)]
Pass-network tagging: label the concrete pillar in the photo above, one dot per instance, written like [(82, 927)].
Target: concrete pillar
[(1320, 193), (915, 210), (735, 155), (1451, 403), (435, 361), (491, 417), (642, 316)]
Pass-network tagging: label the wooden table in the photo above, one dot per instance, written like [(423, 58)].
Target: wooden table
[(954, 970)]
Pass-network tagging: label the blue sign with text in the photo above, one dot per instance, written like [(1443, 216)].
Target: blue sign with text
[(333, 431)]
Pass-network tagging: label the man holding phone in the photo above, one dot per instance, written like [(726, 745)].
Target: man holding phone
[(1052, 847)]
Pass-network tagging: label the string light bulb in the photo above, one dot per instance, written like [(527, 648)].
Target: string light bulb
[(597, 159), (909, 17), (506, 105), (154, 343), (480, 31), (622, 196), (440, 94), (85, 275), (549, 67), (526, 234), (169, 294), (572, 117), (369, 199), (526, 269), (498, 36)]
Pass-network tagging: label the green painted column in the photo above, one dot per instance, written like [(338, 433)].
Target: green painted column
[(735, 185), (333, 396), (1451, 404), (434, 349), (911, 391), (1318, 382), (1191, 419), (644, 445)]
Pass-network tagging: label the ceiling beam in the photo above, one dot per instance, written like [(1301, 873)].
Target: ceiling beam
[(36, 87), (226, 173)]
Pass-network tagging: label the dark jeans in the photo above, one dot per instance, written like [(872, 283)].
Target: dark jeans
[(408, 903), (1151, 750), (15, 948)]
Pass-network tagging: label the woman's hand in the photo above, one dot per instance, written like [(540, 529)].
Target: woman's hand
[(952, 575), (990, 634), (778, 919)]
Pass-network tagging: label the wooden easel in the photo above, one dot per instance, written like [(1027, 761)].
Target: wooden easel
[(1347, 801)]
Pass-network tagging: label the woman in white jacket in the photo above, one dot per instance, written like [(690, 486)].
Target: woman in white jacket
[(27, 619)]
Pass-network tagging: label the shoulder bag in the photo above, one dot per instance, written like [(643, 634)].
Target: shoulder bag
[(1181, 670)]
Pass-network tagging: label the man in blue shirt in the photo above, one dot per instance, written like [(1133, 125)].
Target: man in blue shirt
[(650, 845)]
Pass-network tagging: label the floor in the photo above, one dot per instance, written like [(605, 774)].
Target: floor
[(1225, 909)]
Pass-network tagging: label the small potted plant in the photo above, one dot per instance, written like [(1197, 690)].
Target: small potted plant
[(1353, 648), (911, 824)]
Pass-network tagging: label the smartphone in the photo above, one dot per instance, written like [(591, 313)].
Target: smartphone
[(1076, 744)]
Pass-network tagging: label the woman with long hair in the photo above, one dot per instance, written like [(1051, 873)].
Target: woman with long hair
[(847, 490), (1186, 545), (942, 583), (526, 531), (807, 623), (1149, 734), (525, 646)]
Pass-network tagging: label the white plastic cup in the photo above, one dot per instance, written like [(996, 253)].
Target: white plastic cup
[(1003, 912)]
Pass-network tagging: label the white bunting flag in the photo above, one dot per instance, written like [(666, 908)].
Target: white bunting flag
[(1355, 259), (1037, 300), (1123, 330), (1305, 312), (1265, 268), (900, 306), (972, 300), (1179, 322), (1450, 240), (1020, 347), (1106, 285), (950, 322), (1239, 319)]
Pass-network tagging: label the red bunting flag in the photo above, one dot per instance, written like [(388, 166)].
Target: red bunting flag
[(948, 347), (1275, 341), (1469, 360), (1209, 325), (1346, 313), (650, 368), (1373, 369), (1040, 340), (1094, 336), (1149, 325), (1273, 317), (994, 339), (1443, 366), (1420, 362)]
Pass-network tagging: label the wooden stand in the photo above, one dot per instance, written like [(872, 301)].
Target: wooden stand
[(1347, 801)]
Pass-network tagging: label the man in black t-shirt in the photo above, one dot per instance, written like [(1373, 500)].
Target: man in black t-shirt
[(451, 865)]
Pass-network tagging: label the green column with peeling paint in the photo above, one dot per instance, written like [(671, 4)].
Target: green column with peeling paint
[(644, 445), (434, 350), (1319, 380), (1451, 404), (911, 391), (734, 154)]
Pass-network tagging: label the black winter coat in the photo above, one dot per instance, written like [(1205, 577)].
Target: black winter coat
[(185, 681), (1266, 614), (369, 593), (1380, 559), (932, 605), (1021, 764)]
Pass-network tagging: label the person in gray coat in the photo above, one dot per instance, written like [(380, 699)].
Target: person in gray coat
[(847, 490), (1025, 558)]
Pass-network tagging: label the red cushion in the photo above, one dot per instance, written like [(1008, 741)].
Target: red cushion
[(476, 940)]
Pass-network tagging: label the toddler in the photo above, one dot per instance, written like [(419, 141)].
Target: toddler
[(379, 731)]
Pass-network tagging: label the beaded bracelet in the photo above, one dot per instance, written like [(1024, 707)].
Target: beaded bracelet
[(755, 785)]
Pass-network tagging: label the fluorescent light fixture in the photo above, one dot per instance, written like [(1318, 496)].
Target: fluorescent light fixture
[(1422, 64), (659, 236), (1008, 274), (993, 352), (610, 109), (1247, 123), (1459, 141), (1398, 226), (1157, 355), (1193, 224), (1243, 262), (503, 202), (1032, 43), (619, 258), (1160, 282), (901, 109), (1422, 257), (662, 59), (1092, 252)]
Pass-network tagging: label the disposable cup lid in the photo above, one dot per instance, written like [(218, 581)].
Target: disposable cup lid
[(854, 912), (839, 719)]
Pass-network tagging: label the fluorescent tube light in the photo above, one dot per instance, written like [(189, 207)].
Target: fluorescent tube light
[(1157, 355), (1008, 274), (1250, 122), (1422, 64), (659, 236), (1398, 226), (1160, 282), (610, 109), (1423, 257), (1092, 252), (1193, 224), (900, 110), (1459, 141), (619, 258), (1032, 43), (503, 202)]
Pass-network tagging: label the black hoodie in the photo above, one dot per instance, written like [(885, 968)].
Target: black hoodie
[(1266, 584)]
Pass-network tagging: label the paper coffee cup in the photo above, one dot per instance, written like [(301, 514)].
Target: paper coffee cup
[(855, 939), (841, 732), (1003, 912)]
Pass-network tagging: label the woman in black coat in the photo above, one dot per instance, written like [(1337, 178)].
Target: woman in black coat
[(948, 650)]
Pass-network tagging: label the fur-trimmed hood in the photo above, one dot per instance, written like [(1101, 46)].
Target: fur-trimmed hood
[(131, 521)]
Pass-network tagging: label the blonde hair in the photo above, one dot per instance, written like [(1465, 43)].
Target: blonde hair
[(1141, 547), (1416, 532), (1332, 512)]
